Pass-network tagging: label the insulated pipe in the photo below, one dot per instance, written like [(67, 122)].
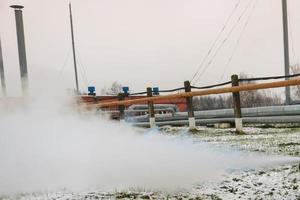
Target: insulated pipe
[(257, 112), (247, 120), (248, 87)]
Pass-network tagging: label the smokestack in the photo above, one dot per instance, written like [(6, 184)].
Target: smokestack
[(2, 76), (21, 46)]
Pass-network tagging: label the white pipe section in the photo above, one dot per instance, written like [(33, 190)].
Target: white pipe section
[(192, 123), (152, 122), (238, 124)]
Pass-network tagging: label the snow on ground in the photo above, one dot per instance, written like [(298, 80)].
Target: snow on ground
[(276, 182), (282, 141)]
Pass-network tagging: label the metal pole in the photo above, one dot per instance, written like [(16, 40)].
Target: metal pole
[(73, 47), (21, 46), (2, 75), (286, 49)]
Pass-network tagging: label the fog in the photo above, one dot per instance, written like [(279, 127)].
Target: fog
[(46, 144)]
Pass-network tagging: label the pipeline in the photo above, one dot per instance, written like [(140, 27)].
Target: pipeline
[(246, 87)]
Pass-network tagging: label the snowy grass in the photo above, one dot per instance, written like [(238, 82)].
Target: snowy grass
[(280, 181)]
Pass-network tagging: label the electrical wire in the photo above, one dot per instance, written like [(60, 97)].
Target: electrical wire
[(211, 86), (295, 59), (84, 81), (224, 41), (216, 40), (172, 90), (64, 62), (238, 40), (268, 78), (83, 72)]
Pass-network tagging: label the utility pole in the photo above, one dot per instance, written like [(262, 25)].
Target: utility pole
[(2, 75), (21, 47), (286, 49), (73, 46)]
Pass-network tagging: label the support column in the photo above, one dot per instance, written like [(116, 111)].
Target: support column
[(73, 48), (2, 75), (151, 109), (286, 50), (121, 97), (237, 105), (190, 108), (21, 47)]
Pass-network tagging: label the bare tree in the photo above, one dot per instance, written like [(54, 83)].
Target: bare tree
[(212, 102), (257, 98), (295, 69), (253, 98), (114, 89)]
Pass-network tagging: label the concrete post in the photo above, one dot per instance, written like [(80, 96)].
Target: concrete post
[(190, 108), (151, 109), (237, 105), (21, 47), (2, 75), (121, 97)]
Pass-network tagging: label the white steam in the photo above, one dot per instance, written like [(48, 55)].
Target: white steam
[(47, 145)]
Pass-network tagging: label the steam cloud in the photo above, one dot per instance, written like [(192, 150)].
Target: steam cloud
[(46, 145)]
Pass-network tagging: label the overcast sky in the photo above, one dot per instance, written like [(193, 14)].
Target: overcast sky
[(142, 43)]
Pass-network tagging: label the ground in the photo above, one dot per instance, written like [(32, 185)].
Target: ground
[(276, 182)]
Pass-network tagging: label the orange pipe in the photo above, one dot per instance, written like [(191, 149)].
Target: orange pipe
[(248, 87)]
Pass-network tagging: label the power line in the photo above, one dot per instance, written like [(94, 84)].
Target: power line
[(82, 69), (211, 86), (224, 41), (238, 40), (268, 78), (64, 62), (292, 39), (84, 80), (217, 38)]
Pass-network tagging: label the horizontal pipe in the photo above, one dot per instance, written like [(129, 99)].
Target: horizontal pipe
[(246, 120), (228, 113), (145, 110), (136, 111), (248, 87), (248, 112), (156, 106)]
